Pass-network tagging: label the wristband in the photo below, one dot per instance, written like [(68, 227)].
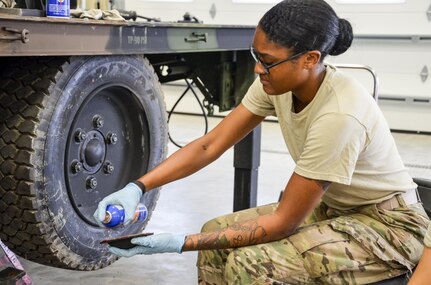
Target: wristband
[(140, 185)]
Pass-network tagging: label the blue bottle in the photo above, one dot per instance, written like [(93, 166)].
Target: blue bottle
[(58, 8), (115, 215)]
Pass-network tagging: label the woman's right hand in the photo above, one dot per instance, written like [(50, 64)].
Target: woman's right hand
[(128, 198)]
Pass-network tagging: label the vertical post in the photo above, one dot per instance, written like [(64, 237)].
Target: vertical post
[(246, 161)]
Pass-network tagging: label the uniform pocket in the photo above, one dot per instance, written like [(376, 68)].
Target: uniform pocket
[(321, 249), (315, 235), (371, 241)]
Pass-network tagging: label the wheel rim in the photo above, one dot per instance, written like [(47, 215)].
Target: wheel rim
[(108, 145)]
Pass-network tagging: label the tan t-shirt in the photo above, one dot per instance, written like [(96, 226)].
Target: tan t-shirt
[(342, 137), (427, 239)]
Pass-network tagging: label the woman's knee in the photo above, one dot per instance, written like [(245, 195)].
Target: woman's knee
[(219, 223), (211, 225), (236, 217)]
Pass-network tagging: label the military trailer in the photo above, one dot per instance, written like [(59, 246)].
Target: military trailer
[(82, 113)]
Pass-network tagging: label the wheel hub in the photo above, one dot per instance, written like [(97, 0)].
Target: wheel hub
[(108, 145), (93, 151)]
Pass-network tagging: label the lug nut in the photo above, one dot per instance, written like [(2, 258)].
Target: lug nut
[(91, 183), (112, 138), (76, 166), (98, 121), (80, 135), (108, 168)]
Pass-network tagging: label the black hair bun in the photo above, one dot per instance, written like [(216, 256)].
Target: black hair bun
[(344, 39)]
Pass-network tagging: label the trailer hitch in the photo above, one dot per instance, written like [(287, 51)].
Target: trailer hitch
[(15, 35)]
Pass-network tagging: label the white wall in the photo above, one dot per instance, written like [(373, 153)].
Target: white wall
[(396, 42), (401, 18)]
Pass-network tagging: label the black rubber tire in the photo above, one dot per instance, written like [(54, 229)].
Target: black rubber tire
[(46, 215)]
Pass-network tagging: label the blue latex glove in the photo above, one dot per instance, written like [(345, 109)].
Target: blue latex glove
[(160, 243), (128, 198)]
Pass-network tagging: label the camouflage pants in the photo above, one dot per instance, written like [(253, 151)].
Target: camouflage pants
[(332, 247)]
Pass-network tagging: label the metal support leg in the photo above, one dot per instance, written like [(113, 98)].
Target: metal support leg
[(246, 161)]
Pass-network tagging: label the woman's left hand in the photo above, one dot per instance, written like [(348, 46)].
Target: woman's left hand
[(160, 243)]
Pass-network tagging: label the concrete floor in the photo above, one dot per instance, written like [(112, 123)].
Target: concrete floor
[(185, 205)]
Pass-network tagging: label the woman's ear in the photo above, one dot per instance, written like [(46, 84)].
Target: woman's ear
[(311, 59)]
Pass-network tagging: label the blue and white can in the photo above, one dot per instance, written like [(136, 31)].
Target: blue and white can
[(58, 8), (115, 215)]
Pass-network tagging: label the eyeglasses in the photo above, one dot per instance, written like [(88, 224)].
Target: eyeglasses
[(256, 57)]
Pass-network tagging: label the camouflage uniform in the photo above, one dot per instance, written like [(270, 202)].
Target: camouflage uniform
[(358, 246)]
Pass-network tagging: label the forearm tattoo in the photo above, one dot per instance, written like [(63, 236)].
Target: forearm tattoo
[(236, 235)]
